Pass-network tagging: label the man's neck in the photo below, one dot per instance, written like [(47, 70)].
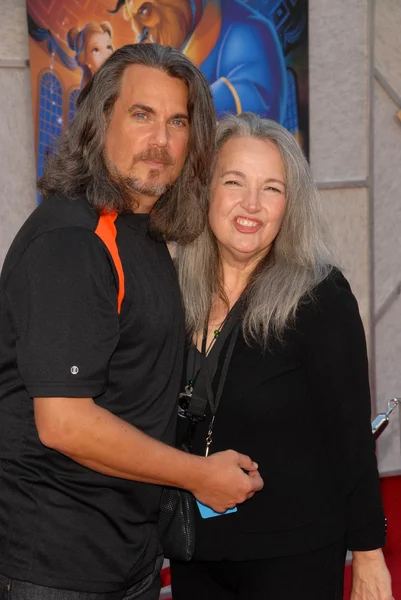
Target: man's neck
[(143, 204)]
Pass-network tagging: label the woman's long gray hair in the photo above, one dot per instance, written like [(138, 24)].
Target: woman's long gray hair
[(300, 258), (79, 165)]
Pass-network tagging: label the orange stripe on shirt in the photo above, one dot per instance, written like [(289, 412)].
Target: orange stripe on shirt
[(107, 232)]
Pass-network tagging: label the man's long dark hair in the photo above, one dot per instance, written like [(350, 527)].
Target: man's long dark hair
[(79, 165)]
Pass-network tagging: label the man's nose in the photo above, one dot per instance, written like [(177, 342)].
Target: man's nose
[(160, 135)]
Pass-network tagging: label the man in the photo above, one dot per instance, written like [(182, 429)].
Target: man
[(92, 348)]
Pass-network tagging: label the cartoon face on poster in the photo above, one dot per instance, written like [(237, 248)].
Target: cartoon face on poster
[(253, 53)]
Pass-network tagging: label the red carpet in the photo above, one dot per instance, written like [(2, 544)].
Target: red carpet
[(391, 492)]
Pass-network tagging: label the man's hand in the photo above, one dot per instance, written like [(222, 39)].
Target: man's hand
[(370, 577), (224, 484)]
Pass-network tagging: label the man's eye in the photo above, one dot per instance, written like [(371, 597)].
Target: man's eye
[(140, 116), (178, 123)]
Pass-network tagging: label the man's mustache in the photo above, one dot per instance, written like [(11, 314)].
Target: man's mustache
[(158, 155)]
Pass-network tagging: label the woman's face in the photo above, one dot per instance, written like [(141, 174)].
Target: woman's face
[(247, 199), (98, 49)]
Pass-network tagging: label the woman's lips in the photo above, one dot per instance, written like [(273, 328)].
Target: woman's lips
[(247, 224)]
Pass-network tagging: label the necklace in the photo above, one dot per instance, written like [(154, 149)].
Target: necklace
[(216, 334), (204, 350)]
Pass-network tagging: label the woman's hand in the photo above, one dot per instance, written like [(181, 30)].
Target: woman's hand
[(370, 577)]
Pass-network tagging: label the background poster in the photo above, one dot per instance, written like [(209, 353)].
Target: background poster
[(254, 53)]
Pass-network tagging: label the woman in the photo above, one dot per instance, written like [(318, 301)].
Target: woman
[(295, 394), (92, 46)]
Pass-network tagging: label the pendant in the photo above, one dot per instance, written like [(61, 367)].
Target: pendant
[(183, 401), (209, 438)]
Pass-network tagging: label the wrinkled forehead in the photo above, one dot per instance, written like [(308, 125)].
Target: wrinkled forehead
[(242, 153), (153, 87)]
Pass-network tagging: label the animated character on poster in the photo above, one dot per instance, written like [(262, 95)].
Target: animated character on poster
[(236, 48), (92, 46)]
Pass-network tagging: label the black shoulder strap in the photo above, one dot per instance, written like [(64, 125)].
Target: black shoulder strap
[(203, 394)]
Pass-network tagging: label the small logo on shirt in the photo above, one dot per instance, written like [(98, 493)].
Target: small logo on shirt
[(74, 370)]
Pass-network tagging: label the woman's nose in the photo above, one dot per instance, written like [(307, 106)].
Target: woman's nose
[(251, 200)]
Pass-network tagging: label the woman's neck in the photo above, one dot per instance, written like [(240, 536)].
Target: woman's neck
[(235, 276), (234, 279)]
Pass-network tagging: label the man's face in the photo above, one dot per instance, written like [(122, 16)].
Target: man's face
[(148, 134)]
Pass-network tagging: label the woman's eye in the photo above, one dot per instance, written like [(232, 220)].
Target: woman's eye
[(270, 188), (231, 182), (95, 50)]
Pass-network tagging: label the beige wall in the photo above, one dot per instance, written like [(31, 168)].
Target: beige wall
[(17, 162), (355, 94), (355, 87), (387, 219)]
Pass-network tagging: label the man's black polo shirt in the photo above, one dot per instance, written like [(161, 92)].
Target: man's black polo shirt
[(61, 524)]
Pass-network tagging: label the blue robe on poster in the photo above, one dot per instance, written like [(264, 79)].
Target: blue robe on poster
[(246, 68)]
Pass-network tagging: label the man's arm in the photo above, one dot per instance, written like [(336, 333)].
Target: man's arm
[(64, 304), (97, 439)]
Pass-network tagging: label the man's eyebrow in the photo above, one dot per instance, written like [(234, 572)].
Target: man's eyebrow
[(180, 116), (151, 111), (143, 107)]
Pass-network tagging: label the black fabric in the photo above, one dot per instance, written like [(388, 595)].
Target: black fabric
[(301, 410), (63, 525), (176, 524), (146, 589), (317, 575)]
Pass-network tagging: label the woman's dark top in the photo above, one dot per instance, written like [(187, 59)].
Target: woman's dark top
[(302, 411)]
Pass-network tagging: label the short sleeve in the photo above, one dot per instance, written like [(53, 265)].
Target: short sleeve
[(63, 300), (337, 367)]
